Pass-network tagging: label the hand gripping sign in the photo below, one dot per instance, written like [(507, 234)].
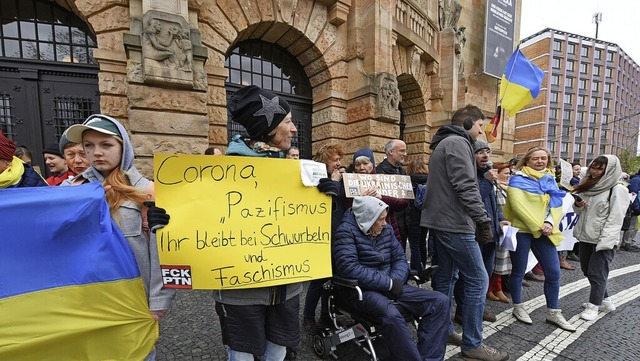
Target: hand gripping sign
[(240, 222)]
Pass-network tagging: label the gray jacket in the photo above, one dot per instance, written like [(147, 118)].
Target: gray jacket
[(452, 201)]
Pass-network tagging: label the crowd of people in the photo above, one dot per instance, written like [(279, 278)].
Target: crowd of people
[(468, 201)]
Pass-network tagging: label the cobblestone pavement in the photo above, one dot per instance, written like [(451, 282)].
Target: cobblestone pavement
[(191, 330)]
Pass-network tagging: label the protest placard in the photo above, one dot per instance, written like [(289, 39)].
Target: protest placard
[(392, 185), (240, 222)]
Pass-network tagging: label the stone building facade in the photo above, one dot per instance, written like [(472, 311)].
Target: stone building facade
[(377, 69)]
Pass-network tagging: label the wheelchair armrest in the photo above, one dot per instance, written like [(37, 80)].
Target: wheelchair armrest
[(345, 282)]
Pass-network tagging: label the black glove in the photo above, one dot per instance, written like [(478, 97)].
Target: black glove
[(396, 289), (483, 232), (329, 187), (156, 216)]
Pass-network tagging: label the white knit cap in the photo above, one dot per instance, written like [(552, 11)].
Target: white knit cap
[(366, 210)]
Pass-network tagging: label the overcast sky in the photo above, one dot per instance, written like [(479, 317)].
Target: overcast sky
[(620, 20)]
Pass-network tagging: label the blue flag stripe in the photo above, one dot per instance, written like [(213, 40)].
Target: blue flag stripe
[(47, 233), (521, 71)]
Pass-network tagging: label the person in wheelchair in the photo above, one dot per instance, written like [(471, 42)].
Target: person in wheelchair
[(366, 249)]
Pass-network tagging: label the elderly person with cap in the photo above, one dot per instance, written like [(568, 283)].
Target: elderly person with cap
[(13, 171), (264, 321), (57, 165), (73, 154), (365, 248), (109, 151)]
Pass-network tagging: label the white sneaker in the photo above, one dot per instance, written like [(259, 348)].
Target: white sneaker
[(590, 313), (554, 317), (606, 306), (521, 314)]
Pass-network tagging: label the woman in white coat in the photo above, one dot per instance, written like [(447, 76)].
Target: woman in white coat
[(601, 202)]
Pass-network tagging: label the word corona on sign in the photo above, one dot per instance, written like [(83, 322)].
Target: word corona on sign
[(240, 222)]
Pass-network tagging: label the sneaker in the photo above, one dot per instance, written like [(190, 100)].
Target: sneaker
[(630, 248), (521, 314), (554, 317), (573, 257), (484, 353), (606, 306), (590, 313), (455, 339)]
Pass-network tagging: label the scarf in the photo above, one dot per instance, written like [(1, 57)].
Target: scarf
[(13, 174), (533, 196)]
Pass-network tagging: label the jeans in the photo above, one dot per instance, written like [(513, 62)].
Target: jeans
[(547, 255), (315, 291), (488, 255), (273, 352), (151, 356), (418, 246), (459, 252), (595, 266)]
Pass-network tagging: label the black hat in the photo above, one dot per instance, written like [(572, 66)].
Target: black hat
[(257, 110), (52, 149)]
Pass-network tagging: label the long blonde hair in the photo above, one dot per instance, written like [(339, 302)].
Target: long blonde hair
[(121, 191), (525, 159)]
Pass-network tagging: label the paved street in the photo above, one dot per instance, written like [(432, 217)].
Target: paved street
[(191, 331)]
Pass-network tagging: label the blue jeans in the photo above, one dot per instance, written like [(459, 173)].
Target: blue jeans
[(273, 352), (547, 255), (459, 252), (315, 291)]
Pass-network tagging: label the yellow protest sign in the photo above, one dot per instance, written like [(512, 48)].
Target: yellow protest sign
[(239, 222)]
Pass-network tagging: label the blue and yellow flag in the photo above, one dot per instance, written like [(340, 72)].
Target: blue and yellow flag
[(521, 83), (531, 201), (70, 286)]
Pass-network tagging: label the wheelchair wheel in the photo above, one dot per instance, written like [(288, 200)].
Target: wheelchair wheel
[(321, 346)]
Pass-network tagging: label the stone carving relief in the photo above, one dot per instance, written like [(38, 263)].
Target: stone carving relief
[(386, 86), (461, 40), (449, 14), (287, 9), (414, 59), (167, 44)]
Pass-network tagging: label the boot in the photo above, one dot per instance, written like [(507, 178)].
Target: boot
[(521, 314), (492, 296), (565, 265), (554, 317), (501, 296)]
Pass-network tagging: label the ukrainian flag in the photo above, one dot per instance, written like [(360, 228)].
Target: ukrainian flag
[(521, 83), (70, 286)]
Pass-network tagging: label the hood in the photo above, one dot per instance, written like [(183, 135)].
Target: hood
[(612, 176), (126, 162), (448, 131)]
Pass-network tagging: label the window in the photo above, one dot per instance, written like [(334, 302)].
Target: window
[(580, 117), (565, 131), (592, 118), (607, 87), (557, 45), (594, 102), (581, 100), (583, 68), (598, 54), (578, 132), (70, 111), (551, 146), (571, 48), (568, 98), (566, 114), (595, 86), (553, 113), (555, 63), (571, 65), (7, 120), (609, 55), (582, 84), (596, 70), (564, 147), (608, 73), (552, 130), (591, 133), (555, 80), (554, 97), (53, 35), (591, 148), (606, 103), (577, 148), (569, 82), (584, 52)]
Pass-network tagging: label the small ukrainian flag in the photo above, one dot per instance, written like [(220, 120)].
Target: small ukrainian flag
[(521, 83)]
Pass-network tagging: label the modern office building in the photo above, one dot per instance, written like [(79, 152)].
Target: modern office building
[(589, 102)]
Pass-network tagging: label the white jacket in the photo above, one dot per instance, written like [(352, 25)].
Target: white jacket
[(607, 202)]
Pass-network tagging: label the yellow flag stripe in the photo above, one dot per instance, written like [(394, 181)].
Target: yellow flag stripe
[(99, 321), (515, 96)]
